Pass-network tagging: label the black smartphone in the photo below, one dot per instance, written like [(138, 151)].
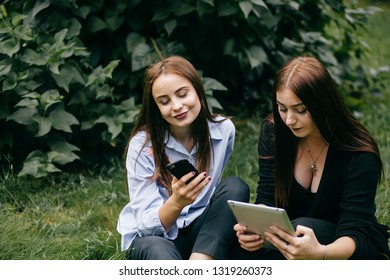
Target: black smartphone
[(182, 167)]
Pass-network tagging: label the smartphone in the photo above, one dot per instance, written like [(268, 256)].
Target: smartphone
[(182, 167)]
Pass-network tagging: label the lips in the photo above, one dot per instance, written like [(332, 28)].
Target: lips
[(181, 116)]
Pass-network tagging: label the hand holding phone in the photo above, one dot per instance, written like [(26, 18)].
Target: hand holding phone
[(182, 167)]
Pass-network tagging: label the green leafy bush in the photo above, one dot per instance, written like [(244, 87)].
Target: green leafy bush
[(71, 71)]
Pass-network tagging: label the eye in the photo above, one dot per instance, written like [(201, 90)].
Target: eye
[(302, 111), (183, 93), (163, 101), (282, 109)]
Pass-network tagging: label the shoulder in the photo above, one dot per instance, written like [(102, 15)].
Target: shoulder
[(223, 124), (139, 141), (267, 127)]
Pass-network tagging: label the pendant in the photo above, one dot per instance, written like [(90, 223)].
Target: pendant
[(314, 168)]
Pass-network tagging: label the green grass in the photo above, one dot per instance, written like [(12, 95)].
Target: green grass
[(74, 216)]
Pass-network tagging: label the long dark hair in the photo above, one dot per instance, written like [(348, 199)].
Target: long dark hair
[(311, 82), (156, 127)]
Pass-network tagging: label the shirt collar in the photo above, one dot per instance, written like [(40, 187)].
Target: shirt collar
[(215, 134)]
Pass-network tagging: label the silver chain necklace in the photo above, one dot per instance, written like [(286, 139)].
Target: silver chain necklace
[(313, 166)]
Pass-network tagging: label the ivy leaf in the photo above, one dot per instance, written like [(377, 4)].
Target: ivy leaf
[(212, 102), (67, 75), (5, 66), (62, 158), (33, 58), (170, 26), (9, 46), (114, 127), (62, 120), (256, 56), (23, 116), (28, 103), (259, 3), (140, 58), (49, 98), (212, 84), (44, 126), (95, 24), (10, 82), (133, 40), (246, 8)]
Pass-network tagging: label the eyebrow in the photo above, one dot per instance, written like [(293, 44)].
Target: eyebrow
[(296, 105)]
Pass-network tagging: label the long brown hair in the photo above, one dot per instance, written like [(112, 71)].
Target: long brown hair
[(156, 127), (311, 82)]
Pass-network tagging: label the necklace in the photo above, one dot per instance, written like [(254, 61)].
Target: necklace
[(313, 164)]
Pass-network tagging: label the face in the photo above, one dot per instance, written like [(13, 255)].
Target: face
[(176, 99), (295, 115)]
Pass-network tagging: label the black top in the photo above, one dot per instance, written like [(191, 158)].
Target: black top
[(345, 195)]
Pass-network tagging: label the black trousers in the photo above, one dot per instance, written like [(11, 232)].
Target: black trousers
[(323, 230), (211, 233)]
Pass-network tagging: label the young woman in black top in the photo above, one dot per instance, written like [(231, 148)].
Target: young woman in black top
[(322, 165)]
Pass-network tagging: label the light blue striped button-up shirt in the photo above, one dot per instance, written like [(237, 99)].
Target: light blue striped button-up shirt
[(141, 215)]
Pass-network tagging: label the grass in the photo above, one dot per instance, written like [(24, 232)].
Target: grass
[(74, 216)]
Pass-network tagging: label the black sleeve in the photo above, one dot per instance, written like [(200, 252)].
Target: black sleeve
[(266, 184), (357, 209)]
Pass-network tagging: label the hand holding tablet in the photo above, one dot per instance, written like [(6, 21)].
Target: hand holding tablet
[(259, 218)]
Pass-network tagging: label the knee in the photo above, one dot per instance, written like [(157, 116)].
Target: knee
[(153, 248), (237, 188)]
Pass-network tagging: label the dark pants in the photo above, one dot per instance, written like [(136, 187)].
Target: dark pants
[(211, 233), (323, 230)]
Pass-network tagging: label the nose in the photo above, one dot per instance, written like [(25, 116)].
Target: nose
[(176, 104), (290, 119)]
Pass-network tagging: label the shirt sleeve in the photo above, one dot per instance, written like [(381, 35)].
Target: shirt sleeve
[(146, 196), (266, 182), (357, 208), (231, 136)]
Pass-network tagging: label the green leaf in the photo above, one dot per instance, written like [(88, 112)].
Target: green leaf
[(10, 82), (213, 103), (103, 92), (95, 24), (160, 14), (246, 7), (23, 116), (40, 5), (10, 46), (17, 19), (5, 66), (114, 127), (140, 58), (44, 125), (260, 3), (212, 84), (37, 165), (170, 26), (183, 9), (68, 74), (210, 2), (49, 98), (61, 146), (23, 33), (133, 40), (62, 158), (256, 56), (33, 58), (28, 103), (62, 120)]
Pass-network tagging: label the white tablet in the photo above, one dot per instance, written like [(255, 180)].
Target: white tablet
[(258, 218)]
